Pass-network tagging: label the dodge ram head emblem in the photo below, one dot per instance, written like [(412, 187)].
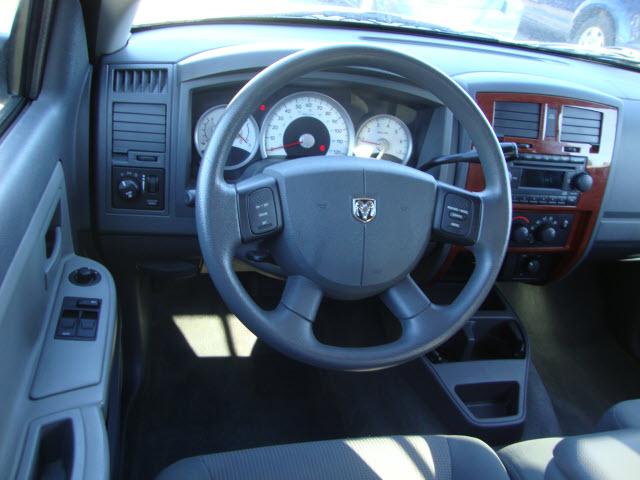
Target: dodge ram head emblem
[(364, 209)]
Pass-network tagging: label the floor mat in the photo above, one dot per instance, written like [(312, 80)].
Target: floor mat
[(581, 364), (240, 394)]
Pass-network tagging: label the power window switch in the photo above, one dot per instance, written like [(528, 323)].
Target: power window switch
[(67, 327), (87, 328), (88, 302)]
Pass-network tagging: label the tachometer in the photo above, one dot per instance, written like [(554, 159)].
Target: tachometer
[(384, 136), (244, 146), (304, 124)]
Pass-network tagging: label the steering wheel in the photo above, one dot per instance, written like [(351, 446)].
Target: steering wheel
[(350, 228)]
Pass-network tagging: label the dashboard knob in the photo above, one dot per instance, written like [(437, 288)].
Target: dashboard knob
[(532, 266), (520, 233), (128, 188), (582, 182), (546, 234)]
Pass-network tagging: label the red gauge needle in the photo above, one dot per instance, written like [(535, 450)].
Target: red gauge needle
[(292, 144), (370, 143), (242, 138)]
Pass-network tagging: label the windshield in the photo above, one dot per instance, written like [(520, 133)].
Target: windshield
[(602, 29)]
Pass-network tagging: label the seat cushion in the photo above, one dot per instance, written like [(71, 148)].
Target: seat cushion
[(613, 455), (621, 415), (529, 460), (406, 457)]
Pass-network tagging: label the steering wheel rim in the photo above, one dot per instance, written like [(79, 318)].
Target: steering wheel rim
[(219, 207)]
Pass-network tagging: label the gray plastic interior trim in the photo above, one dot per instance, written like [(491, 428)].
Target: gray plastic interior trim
[(71, 364), (90, 444), (46, 142), (29, 305)]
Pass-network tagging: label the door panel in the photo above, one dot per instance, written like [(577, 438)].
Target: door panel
[(43, 162)]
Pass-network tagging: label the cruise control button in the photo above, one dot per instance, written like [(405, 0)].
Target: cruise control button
[(456, 217), (261, 211)]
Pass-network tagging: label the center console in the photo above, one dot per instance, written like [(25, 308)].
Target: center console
[(481, 372), (558, 181)]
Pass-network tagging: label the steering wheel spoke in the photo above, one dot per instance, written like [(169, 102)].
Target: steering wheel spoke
[(458, 215), (406, 300), (301, 296), (259, 208)]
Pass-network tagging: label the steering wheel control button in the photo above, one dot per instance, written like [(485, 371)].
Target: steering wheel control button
[(457, 215), (262, 211)]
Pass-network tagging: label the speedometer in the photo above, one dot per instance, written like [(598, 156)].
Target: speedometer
[(245, 145), (305, 124)]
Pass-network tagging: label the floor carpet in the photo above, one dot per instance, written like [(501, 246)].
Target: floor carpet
[(209, 386), (582, 365), (240, 394)]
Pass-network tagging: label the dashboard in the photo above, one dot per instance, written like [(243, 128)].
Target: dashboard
[(573, 191)]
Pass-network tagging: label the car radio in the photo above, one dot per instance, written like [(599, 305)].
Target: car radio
[(549, 179)]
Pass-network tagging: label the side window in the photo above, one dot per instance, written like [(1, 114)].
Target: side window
[(8, 101)]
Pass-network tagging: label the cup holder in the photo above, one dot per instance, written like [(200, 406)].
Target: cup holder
[(490, 400), (483, 339)]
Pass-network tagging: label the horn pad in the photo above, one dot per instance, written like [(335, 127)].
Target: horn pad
[(354, 226)]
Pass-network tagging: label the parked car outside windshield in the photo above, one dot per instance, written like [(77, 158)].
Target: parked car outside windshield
[(590, 23)]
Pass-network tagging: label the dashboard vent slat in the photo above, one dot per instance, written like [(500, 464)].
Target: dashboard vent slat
[(581, 125), (517, 119), (140, 80), (139, 127)]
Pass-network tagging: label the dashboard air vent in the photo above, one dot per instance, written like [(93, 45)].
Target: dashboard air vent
[(517, 119), (139, 127), (140, 80), (581, 125)]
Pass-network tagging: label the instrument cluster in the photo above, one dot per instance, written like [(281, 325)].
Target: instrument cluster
[(306, 123)]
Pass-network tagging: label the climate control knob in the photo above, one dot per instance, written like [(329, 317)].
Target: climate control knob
[(546, 234), (582, 182), (520, 233), (128, 188)]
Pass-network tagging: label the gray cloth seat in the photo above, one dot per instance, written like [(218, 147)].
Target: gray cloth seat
[(399, 457), (599, 456), (621, 415)]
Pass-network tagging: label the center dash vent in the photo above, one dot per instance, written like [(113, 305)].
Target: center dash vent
[(581, 125), (140, 80), (517, 119)]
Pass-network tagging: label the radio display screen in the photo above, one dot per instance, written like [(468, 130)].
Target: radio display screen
[(541, 179)]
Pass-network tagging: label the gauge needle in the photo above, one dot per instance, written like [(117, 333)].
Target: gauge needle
[(370, 143), (292, 144), (242, 138)]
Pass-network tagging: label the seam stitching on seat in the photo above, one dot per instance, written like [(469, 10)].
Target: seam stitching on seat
[(510, 466), (206, 467)]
